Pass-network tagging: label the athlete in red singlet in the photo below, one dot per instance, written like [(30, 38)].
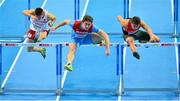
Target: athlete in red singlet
[(84, 32)]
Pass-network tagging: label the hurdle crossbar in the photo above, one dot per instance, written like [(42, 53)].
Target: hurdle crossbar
[(111, 44), (49, 44), (157, 44)]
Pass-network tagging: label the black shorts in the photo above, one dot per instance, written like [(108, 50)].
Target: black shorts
[(141, 36)]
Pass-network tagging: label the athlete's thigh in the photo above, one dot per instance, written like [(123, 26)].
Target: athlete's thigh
[(72, 47), (42, 35), (141, 35), (87, 40), (128, 37)]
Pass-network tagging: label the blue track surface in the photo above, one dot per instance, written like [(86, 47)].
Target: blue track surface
[(92, 69)]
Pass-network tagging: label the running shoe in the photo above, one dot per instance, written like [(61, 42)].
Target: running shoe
[(68, 67), (136, 55), (43, 52)]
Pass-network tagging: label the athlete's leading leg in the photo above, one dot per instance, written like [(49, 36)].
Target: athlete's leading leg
[(70, 56), (97, 39), (142, 36), (38, 38)]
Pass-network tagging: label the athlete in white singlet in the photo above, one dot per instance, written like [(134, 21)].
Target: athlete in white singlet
[(38, 30)]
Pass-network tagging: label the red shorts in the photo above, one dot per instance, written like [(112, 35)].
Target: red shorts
[(32, 34)]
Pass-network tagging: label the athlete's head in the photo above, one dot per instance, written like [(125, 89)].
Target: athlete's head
[(88, 18), (87, 22), (38, 12), (135, 22)]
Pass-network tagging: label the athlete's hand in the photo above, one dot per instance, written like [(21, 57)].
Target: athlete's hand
[(107, 51), (34, 17), (53, 28), (154, 38), (50, 24)]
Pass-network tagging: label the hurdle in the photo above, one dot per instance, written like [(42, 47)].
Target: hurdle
[(122, 89), (97, 91), (58, 47)]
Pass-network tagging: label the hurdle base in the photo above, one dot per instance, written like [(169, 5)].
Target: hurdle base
[(53, 91), (1, 91), (59, 91), (152, 89), (175, 36), (101, 91)]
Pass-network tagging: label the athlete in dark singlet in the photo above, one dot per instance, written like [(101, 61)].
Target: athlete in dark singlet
[(131, 32)]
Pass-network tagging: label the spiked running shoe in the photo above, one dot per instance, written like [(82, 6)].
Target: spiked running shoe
[(43, 52), (68, 67), (136, 55), (102, 42)]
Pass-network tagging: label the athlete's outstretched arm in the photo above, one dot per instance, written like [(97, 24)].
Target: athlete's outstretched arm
[(146, 27), (64, 22), (121, 20), (154, 38), (106, 38), (30, 13), (52, 18)]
